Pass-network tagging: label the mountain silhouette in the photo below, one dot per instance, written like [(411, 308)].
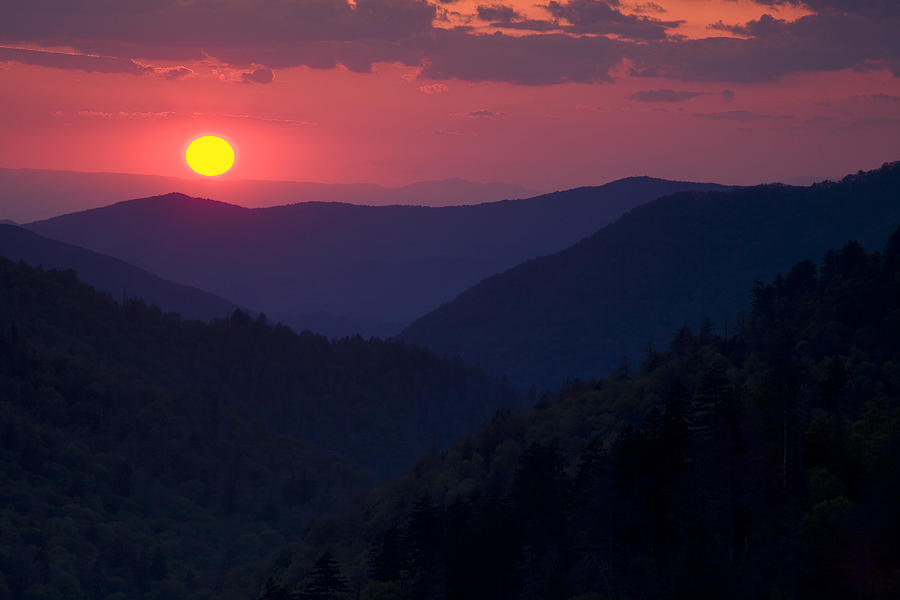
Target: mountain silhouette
[(110, 275), (390, 263), (577, 313), (31, 194)]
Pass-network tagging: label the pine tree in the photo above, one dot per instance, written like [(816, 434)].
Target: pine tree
[(325, 581), (274, 591)]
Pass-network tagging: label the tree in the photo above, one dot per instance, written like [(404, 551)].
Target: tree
[(325, 581), (274, 591), (387, 559)]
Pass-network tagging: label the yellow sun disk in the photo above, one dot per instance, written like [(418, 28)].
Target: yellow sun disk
[(210, 155)]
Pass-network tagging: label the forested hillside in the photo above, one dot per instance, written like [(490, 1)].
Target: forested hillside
[(369, 266), (758, 462), (142, 456), (667, 263), (110, 275)]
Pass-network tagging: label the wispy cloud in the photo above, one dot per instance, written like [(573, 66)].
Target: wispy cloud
[(739, 115), (122, 114), (484, 113), (663, 95), (82, 62), (433, 88)]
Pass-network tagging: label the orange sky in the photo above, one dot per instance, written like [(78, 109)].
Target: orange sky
[(397, 124), (696, 14)]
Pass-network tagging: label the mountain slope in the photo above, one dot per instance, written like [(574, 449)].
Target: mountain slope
[(146, 456), (761, 464), (673, 261), (32, 194), (110, 275), (378, 403), (118, 483), (387, 263)]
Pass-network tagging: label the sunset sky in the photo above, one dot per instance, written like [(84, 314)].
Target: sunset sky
[(550, 95)]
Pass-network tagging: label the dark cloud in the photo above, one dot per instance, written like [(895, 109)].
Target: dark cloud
[(506, 17), (570, 46), (262, 75), (497, 12), (663, 96), (534, 59), (59, 60), (876, 8), (722, 26), (582, 17), (739, 115), (165, 26), (728, 95), (812, 43), (528, 25), (766, 25), (649, 7), (605, 17)]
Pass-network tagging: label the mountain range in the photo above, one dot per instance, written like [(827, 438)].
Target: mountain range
[(666, 263), (32, 194), (761, 463), (364, 263), (753, 454)]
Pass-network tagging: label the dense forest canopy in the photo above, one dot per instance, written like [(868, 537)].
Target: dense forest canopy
[(143, 456), (758, 462)]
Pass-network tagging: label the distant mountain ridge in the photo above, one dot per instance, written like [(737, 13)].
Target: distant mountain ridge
[(110, 275), (391, 263), (32, 194), (670, 262)]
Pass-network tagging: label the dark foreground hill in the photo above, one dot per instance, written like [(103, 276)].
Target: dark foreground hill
[(142, 456), (384, 263), (764, 463), (677, 260), (110, 275)]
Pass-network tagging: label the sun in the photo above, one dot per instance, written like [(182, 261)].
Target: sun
[(210, 155)]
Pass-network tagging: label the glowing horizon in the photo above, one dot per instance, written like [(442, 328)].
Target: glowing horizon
[(549, 96)]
